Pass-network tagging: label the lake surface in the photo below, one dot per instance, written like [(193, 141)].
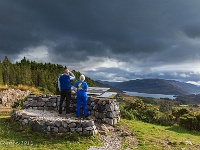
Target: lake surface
[(149, 95)]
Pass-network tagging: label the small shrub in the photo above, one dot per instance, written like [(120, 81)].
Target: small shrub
[(165, 119), (190, 122), (178, 112), (128, 114), (19, 103)]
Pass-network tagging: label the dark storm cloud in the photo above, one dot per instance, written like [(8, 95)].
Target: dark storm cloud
[(148, 30), (192, 30)]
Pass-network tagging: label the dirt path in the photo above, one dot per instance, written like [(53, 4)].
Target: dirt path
[(115, 138)]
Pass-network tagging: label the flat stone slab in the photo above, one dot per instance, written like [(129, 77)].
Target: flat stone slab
[(48, 115)]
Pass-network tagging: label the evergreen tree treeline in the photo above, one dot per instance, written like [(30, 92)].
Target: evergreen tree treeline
[(31, 73)]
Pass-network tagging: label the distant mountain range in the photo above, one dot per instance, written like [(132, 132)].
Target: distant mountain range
[(155, 86)]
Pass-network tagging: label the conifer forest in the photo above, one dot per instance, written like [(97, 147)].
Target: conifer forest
[(32, 73)]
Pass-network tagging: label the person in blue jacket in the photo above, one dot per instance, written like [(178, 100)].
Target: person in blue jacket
[(64, 85), (81, 88)]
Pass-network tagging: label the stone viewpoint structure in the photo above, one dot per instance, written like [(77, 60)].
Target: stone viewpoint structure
[(40, 112)]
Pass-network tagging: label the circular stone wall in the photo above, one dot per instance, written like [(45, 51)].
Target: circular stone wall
[(50, 122), (40, 112)]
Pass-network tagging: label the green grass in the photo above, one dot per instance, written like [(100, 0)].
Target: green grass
[(155, 137), (112, 96), (14, 136)]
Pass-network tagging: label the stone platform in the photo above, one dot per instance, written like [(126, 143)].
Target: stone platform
[(51, 122), (40, 112)]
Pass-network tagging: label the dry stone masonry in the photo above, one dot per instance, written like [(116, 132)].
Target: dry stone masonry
[(104, 110), (7, 97), (40, 112), (49, 122)]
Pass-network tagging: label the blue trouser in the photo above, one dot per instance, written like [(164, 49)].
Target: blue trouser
[(81, 99)]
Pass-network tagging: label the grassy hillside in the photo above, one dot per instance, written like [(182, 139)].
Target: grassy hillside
[(149, 137), (155, 137), (14, 136)]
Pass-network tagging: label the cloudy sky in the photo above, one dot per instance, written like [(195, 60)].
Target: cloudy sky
[(112, 40)]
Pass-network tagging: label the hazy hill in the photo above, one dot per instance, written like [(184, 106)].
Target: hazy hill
[(156, 86), (112, 87), (190, 88)]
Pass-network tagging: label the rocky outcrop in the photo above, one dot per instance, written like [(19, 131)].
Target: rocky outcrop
[(7, 97)]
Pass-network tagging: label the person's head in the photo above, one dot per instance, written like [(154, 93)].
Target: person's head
[(67, 71), (82, 77)]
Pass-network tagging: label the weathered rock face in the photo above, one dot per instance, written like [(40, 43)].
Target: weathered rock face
[(8, 97)]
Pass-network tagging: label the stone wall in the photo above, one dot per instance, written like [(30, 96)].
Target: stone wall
[(41, 102), (7, 97), (50, 123), (102, 110)]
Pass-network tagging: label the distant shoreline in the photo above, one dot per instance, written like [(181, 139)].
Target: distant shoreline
[(149, 95)]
